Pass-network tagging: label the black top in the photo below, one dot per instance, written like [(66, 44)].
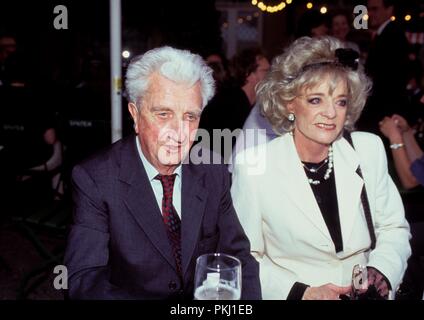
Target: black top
[(326, 197)]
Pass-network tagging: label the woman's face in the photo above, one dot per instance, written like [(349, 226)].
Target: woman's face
[(320, 114), (340, 27)]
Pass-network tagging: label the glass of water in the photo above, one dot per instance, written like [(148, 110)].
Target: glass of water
[(217, 277)]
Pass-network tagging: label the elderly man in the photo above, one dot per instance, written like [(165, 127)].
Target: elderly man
[(143, 211)]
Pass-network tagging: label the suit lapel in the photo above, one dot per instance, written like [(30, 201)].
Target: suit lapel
[(193, 204), (139, 198), (296, 184), (348, 185)]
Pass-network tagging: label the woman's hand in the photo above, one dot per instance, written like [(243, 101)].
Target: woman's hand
[(379, 281), (401, 123), (328, 291), (391, 129)]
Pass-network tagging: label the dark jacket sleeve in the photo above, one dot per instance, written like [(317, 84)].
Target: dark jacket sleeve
[(234, 241), (87, 252)]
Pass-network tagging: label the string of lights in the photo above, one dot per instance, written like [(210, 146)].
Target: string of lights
[(271, 8), (262, 5)]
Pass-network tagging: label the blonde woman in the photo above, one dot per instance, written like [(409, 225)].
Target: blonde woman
[(324, 201)]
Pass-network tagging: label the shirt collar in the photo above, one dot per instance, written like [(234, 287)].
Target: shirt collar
[(381, 28), (151, 171)]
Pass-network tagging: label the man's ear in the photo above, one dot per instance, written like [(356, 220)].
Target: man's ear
[(132, 108)]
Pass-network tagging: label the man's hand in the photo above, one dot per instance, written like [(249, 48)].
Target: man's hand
[(328, 291)]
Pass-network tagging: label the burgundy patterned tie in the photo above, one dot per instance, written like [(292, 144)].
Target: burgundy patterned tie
[(170, 217)]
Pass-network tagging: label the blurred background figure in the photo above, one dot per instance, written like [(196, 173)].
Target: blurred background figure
[(387, 65), (232, 104), (32, 151), (409, 164), (312, 24), (340, 28), (7, 48), (219, 66)]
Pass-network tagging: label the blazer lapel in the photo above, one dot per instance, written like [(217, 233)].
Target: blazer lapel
[(139, 198), (348, 185), (193, 203), (296, 184)]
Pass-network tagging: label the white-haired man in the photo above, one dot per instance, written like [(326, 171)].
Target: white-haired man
[(143, 214)]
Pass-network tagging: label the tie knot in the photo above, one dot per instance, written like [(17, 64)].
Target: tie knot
[(166, 180)]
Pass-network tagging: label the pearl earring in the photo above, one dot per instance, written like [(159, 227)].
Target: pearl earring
[(291, 117)]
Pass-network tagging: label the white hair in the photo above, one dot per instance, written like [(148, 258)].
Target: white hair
[(180, 66)]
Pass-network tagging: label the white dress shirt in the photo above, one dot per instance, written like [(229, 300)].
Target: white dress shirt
[(157, 185)]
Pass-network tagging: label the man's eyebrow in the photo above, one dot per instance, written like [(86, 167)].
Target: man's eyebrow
[(160, 108), (195, 112)]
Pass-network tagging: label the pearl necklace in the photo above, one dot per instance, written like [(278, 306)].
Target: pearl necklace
[(327, 172), (314, 170)]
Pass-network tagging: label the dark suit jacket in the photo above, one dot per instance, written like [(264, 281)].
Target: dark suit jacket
[(118, 247), (387, 65)]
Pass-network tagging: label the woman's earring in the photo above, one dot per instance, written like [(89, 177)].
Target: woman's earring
[(291, 117)]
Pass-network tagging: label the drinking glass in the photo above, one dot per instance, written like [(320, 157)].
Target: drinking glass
[(359, 280), (217, 277)]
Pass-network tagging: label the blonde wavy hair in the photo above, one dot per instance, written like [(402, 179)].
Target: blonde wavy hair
[(303, 65)]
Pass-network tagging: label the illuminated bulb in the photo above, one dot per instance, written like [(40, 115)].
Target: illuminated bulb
[(126, 54), (254, 2), (393, 18), (408, 17), (365, 17), (323, 10), (309, 5), (289, 1)]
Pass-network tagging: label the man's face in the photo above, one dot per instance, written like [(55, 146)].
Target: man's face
[(167, 121), (378, 13)]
